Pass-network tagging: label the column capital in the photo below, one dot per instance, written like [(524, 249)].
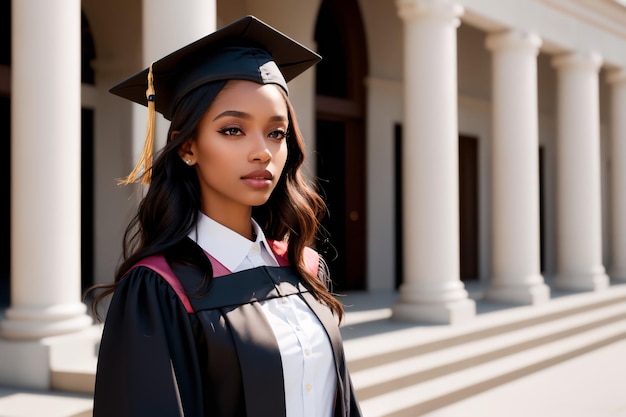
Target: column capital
[(616, 76), (591, 61), (438, 9), (514, 39)]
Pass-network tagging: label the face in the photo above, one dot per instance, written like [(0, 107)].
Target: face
[(241, 148)]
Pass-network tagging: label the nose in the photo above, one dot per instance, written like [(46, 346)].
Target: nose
[(261, 156), (260, 152)]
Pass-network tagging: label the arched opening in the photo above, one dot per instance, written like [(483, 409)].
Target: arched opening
[(341, 144)]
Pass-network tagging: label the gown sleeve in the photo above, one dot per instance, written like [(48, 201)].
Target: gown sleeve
[(148, 362)]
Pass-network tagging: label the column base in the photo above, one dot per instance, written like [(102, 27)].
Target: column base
[(32, 323), (28, 363), (452, 312), (523, 294), (582, 282), (24, 364)]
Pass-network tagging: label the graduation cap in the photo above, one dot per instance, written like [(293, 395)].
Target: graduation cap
[(247, 49)]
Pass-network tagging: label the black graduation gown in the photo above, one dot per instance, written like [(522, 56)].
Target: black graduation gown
[(222, 360)]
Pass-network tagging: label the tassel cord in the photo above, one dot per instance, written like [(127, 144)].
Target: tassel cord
[(143, 168)]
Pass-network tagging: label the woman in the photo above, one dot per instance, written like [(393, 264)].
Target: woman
[(220, 308)]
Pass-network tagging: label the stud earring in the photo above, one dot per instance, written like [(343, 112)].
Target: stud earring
[(188, 161)]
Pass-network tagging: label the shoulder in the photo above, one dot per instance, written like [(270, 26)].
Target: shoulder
[(159, 264)]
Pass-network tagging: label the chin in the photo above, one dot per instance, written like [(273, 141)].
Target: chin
[(259, 201)]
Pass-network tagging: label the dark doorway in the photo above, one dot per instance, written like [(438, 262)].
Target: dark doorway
[(340, 137), (88, 54), (398, 183), (468, 207), (331, 154), (5, 207), (86, 196), (5, 152), (542, 211)]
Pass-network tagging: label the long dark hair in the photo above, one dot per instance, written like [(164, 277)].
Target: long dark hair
[(170, 207)]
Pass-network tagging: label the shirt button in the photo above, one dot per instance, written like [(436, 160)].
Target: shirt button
[(255, 248), (307, 352), (308, 387)]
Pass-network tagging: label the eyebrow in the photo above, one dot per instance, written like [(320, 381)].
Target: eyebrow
[(242, 115), (233, 113)]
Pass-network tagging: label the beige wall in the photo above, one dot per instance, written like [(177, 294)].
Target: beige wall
[(117, 31)]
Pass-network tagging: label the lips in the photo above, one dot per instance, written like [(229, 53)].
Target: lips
[(261, 174)]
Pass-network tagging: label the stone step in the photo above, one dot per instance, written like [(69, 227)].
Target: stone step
[(381, 379), (420, 398), (31, 403), (410, 370), (74, 369), (78, 377), (382, 341)]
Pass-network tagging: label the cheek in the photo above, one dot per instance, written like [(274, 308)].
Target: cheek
[(211, 162), (284, 149), (280, 157), (207, 151)]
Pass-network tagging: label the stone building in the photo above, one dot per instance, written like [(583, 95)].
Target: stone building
[(471, 151)]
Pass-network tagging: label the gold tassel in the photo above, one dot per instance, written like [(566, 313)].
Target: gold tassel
[(143, 168)]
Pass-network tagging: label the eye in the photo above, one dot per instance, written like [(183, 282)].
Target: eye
[(278, 134), (231, 131)]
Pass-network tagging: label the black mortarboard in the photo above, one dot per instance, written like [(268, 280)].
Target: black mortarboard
[(247, 49)]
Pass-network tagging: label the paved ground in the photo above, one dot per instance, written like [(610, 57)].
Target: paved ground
[(591, 385)]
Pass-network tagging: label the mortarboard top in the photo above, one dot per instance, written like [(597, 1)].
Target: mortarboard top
[(243, 49), (247, 49)]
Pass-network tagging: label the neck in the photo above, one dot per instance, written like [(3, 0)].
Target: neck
[(240, 223)]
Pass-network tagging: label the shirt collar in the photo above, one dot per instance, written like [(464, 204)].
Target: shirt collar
[(225, 245)]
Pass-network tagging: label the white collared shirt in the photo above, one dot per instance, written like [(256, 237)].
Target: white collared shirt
[(307, 358)]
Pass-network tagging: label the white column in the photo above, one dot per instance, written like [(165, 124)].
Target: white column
[(432, 290), (579, 225), (516, 271), (45, 171), (617, 79), (192, 22)]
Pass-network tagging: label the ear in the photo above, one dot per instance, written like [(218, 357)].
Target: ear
[(185, 150)]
